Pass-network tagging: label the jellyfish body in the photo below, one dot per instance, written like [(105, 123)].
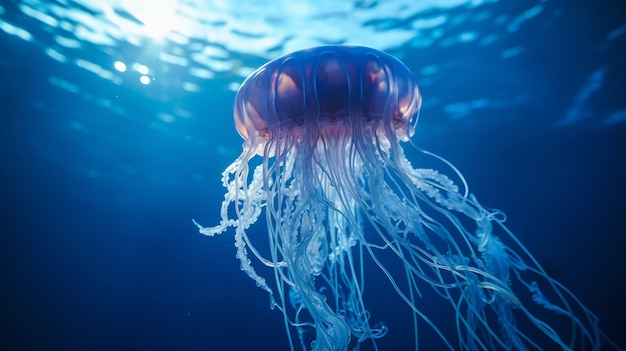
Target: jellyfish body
[(339, 195)]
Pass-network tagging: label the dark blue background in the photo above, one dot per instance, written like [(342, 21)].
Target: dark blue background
[(97, 246)]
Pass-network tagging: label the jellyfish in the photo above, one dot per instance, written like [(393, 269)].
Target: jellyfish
[(322, 160)]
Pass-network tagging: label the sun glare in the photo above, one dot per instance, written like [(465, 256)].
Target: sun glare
[(159, 17)]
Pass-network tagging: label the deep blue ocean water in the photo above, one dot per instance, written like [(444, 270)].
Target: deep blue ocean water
[(102, 173)]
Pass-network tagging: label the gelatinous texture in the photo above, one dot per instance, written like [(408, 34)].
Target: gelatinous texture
[(327, 87), (341, 198)]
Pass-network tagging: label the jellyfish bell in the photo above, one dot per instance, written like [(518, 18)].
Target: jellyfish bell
[(304, 96), (339, 195)]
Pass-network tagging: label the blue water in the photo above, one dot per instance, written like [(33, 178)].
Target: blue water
[(102, 173)]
